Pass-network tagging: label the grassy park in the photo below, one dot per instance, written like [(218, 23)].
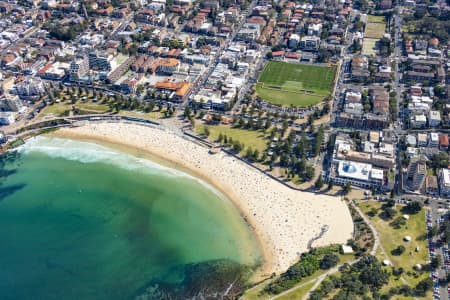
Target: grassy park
[(295, 84), (63, 108), (57, 109), (392, 231), (82, 101), (249, 138), (94, 107), (155, 114)]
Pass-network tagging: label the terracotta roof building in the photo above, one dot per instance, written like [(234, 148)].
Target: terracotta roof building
[(169, 65), (443, 141), (181, 89)]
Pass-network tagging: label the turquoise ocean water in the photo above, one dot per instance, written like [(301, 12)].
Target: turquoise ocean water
[(83, 221)]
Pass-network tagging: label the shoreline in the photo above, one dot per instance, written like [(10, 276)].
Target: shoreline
[(261, 272), (280, 239)]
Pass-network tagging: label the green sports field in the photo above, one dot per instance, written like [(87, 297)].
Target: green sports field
[(294, 84)]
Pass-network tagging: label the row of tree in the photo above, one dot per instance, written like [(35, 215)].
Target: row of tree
[(308, 264)]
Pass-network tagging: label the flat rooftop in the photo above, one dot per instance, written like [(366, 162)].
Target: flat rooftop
[(355, 170)]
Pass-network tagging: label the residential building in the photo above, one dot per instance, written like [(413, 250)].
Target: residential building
[(249, 32), (352, 96), (360, 68), (443, 142), (412, 167), (7, 118), (411, 140), (434, 118), (433, 140), (418, 121), (315, 29), (419, 175), (380, 100), (294, 40), (100, 60), (30, 87), (11, 104), (365, 121), (169, 65), (422, 139), (383, 74), (310, 43), (411, 152), (54, 71), (444, 182), (79, 68), (177, 91)]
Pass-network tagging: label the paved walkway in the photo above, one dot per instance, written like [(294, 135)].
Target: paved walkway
[(376, 244), (377, 238), (322, 277)]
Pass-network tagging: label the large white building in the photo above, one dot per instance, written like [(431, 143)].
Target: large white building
[(31, 86), (315, 29), (12, 103), (358, 174), (444, 182), (7, 118)]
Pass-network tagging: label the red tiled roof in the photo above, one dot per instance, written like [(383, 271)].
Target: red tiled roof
[(443, 140), (278, 53)]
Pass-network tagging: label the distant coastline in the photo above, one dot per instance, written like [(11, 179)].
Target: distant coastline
[(284, 220)]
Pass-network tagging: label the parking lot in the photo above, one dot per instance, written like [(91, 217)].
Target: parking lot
[(437, 248)]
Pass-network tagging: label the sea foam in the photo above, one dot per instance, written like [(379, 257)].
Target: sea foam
[(87, 152)]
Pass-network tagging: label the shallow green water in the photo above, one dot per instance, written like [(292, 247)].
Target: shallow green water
[(82, 221)]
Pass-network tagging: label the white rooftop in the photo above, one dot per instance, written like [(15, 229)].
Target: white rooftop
[(445, 177), (411, 151), (376, 174), (346, 249), (369, 147), (420, 118), (422, 137), (386, 148), (435, 115), (411, 139), (355, 170), (424, 99), (434, 137)]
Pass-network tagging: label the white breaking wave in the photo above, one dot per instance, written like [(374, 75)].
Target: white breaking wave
[(86, 152)]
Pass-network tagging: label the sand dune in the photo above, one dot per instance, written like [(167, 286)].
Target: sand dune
[(283, 219)]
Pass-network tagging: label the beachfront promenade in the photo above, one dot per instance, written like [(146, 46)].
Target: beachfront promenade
[(75, 121)]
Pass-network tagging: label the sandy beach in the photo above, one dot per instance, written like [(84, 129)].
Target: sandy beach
[(284, 220)]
